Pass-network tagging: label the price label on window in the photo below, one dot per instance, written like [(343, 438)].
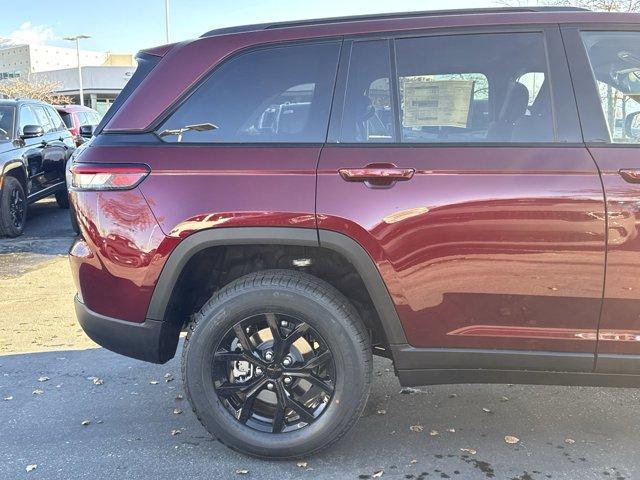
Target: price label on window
[(430, 103)]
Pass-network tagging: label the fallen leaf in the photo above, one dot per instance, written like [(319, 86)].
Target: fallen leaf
[(382, 411), (451, 430), (43, 379), (241, 471), (433, 433), (511, 439), (10, 397), (569, 441), (179, 396), (38, 392), (416, 428), (86, 422), (98, 381), (168, 377), (31, 467), (177, 411), (302, 464), (472, 451), (453, 395), (153, 382), (504, 399), (175, 432), (413, 462), (409, 390), (486, 410), (378, 474)]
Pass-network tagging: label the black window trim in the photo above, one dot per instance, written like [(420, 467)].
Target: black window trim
[(550, 32), (157, 123)]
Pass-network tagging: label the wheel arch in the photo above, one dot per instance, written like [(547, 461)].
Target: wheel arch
[(341, 244), (16, 169)]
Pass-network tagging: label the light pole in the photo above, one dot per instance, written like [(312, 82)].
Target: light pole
[(166, 19), (77, 39)]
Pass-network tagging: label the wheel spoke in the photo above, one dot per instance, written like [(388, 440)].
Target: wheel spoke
[(279, 417), (242, 338), (314, 380), (249, 400), (315, 362), (224, 356), (305, 415), (227, 389), (299, 331)]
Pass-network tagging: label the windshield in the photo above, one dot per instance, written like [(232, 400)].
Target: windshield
[(7, 114)]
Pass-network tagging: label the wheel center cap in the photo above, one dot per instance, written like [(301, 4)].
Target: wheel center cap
[(274, 371)]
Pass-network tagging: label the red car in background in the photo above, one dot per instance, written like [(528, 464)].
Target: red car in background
[(76, 115)]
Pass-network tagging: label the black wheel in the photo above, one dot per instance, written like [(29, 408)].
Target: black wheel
[(13, 208), (62, 198), (277, 364)]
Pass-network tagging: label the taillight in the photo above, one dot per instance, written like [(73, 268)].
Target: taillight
[(107, 176)]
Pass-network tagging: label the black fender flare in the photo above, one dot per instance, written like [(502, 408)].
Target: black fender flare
[(16, 164), (337, 242)]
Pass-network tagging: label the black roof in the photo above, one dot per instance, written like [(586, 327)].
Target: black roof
[(386, 16)]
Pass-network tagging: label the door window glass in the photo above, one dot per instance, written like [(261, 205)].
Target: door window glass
[(27, 117), (474, 88), (615, 61), (43, 119), (58, 124), (368, 113), (280, 94)]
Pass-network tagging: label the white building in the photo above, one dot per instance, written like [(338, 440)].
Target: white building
[(22, 60), (103, 74)]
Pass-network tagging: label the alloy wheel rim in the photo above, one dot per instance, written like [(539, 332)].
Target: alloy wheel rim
[(274, 373), (16, 208)]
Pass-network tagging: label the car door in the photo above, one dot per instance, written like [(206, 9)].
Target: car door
[(605, 64), (56, 150), (33, 148), (456, 161)]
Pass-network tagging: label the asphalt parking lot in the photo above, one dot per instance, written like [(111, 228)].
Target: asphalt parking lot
[(77, 411)]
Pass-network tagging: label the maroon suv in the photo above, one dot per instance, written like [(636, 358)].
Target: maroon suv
[(458, 191)]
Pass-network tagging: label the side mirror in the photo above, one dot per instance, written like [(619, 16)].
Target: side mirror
[(32, 131), (86, 131)]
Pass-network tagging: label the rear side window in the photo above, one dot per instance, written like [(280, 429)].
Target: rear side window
[(280, 94), (58, 124), (615, 61), (368, 111), (66, 118), (474, 88)]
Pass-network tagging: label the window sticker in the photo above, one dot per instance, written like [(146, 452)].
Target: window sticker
[(430, 103)]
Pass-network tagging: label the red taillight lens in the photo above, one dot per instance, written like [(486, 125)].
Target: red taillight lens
[(107, 177)]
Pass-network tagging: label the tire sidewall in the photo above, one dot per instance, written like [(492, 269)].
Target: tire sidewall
[(7, 227), (341, 337)]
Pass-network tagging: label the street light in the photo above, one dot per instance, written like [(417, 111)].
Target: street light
[(77, 39), (166, 19)]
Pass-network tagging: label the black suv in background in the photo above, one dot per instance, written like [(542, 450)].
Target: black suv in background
[(34, 148)]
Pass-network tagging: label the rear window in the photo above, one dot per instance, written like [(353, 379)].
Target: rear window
[(66, 118), (271, 95)]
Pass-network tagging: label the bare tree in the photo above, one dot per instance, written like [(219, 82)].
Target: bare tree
[(596, 5), (38, 90)]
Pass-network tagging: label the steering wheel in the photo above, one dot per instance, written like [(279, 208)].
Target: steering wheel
[(4, 132)]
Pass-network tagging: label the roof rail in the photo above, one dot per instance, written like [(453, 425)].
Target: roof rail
[(386, 16)]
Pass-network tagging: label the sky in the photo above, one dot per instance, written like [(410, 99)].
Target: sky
[(126, 26)]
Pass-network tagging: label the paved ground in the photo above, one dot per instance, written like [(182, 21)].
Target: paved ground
[(564, 433)]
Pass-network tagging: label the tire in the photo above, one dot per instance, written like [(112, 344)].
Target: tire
[(13, 208), (62, 198), (332, 322)]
